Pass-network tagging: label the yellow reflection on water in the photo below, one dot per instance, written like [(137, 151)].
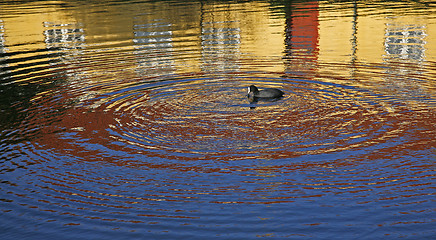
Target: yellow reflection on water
[(24, 31), (222, 36), (362, 36)]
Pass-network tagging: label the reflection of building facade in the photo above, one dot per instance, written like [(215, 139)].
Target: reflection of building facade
[(376, 39), (154, 48), (66, 39), (2, 45), (220, 38), (405, 41), (2, 40), (301, 37), (220, 43), (63, 36), (405, 44)]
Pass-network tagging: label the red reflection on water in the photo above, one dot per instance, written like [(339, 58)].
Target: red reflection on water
[(413, 128), (301, 30)]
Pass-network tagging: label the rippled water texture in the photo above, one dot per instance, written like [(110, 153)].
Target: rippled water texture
[(130, 120)]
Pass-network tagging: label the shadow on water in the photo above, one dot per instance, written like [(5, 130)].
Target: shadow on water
[(253, 101), (19, 113)]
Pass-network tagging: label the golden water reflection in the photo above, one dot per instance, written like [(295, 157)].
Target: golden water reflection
[(226, 36), (261, 34)]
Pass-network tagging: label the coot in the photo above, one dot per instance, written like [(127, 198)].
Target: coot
[(267, 94)]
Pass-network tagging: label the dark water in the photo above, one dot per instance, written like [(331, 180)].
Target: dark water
[(129, 120)]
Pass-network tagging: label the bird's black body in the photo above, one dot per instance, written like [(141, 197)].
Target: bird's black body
[(266, 94)]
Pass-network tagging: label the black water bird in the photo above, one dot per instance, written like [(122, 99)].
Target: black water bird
[(268, 94)]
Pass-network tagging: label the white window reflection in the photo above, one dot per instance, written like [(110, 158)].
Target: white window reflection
[(220, 43), (405, 46), (405, 41), (63, 36), (154, 48), (3, 49), (2, 39)]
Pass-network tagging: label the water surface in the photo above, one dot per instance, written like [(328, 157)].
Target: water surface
[(130, 120)]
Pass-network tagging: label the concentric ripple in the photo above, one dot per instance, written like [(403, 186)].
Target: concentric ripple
[(211, 118)]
